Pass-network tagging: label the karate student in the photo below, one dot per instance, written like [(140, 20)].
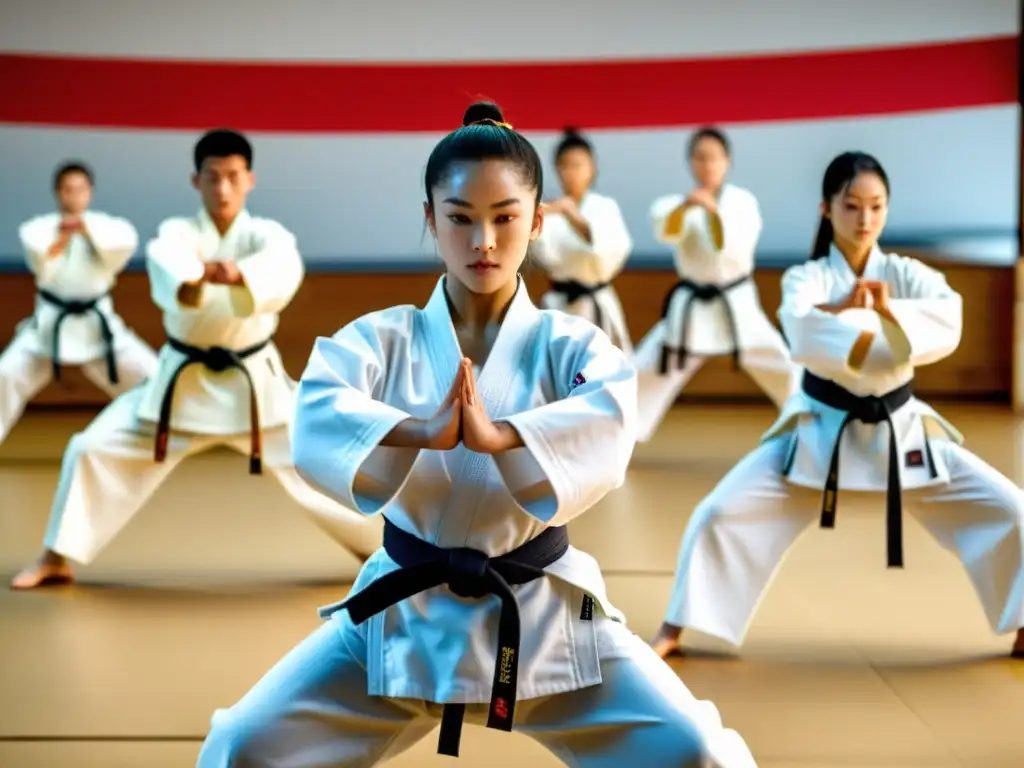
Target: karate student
[(75, 255), (860, 320), (221, 278), (714, 309), (584, 244), (478, 426)]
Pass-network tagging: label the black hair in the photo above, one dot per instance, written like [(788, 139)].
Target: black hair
[(572, 139), (66, 169), (484, 135), (708, 132), (838, 176), (222, 142)]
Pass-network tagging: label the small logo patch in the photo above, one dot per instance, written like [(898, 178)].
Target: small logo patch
[(579, 379), (501, 708), (915, 459), (587, 611)]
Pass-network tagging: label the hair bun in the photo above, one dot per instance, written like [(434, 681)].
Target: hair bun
[(571, 132), (482, 110)]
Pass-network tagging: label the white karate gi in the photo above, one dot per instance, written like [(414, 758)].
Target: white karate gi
[(567, 257), (81, 272), (739, 535), (762, 351), (589, 689), (109, 470)]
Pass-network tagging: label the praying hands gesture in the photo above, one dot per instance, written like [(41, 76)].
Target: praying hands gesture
[(479, 433), (69, 225), (702, 198), (568, 208), (866, 294), (461, 417), (564, 205), (222, 273), (444, 428)]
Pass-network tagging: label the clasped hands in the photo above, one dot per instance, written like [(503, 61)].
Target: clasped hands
[(868, 294), (702, 198), (70, 224), (222, 273), (463, 418), (214, 272), (564, 205)]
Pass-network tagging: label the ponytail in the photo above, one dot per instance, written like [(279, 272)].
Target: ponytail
[(823, 241)]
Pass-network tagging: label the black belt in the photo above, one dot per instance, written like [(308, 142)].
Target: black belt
[(468, 573), (574, 291), (869, 410), (70, 307), (698, 292), (217, 359)]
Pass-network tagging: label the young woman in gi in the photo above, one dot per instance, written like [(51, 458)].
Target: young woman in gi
[(585, 243), (479, 426), (860, 320)]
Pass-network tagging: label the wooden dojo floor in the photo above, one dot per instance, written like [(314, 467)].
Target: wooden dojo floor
[(848, 665)]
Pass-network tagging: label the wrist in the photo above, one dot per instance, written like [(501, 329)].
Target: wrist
[(508, 437), (426, 434), (410, 433)]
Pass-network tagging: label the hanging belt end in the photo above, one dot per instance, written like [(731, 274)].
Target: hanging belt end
[(451, 730), (896, 558), (160, 450), (255, 465)]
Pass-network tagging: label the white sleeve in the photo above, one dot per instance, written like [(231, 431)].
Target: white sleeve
[(928, 313), (172, 260), (660, 211), (37, 235), (340, 420), (818, 340), (609, 247), (543, 254), (742, 225), (577, 448), (610, 238), (113, 238), (272, 275)]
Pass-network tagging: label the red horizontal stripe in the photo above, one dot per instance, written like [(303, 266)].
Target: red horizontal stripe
[(346, 97)]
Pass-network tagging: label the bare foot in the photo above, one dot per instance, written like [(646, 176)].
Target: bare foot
[(1018, 646), (50, 569), (666, 642)]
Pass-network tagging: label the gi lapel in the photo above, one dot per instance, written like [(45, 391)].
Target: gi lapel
[(500, 378), (217, 248)]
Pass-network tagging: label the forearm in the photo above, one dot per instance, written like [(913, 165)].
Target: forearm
[(859, 350), (832, 309), (410, 433), (191, 294), (509, 437), (58, 245), (886, 314), (580, 225)]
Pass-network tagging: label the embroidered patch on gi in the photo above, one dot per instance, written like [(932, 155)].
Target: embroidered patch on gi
[(500, 709), (915, 459), (587, 611), (579, 379)]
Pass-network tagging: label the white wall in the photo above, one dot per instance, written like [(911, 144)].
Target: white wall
[(359, 196)]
